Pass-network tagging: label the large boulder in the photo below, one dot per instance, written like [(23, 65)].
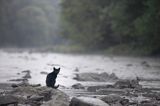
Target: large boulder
[(36, 96), (87, 101)]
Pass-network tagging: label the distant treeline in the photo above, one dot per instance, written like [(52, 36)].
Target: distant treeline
[(29, 22), (125, 24)]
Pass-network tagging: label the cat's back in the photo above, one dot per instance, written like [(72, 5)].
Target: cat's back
[(49, 77)]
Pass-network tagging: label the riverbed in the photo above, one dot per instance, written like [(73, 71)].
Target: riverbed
[(13, 63)]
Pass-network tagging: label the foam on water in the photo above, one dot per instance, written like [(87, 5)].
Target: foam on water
[(13, 63)]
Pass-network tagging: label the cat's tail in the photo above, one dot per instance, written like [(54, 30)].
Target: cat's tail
[(56, 86)]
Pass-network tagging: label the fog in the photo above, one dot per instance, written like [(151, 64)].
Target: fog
[(29, 23), (109, 27), (102, 50)]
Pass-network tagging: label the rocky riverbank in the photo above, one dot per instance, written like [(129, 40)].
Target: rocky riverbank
[(126, 92), (121, 93), (32, 95)]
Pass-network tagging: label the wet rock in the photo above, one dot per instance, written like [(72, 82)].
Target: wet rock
[(8, 100), (111, 91), (36, 96), (145, 63), (129, 65), (155, 95), (18, 73), (78, 86), (124, 102), (27, 76), (95, 88), (35, 85), (150, 95), (87, 101), (111, 99), (23, 84), (19, 80), (58, 98), (14, 85), (134, 84), (148, 104), (102, 77), (43, 72), (113, 76), (26, 71), (76, 69)]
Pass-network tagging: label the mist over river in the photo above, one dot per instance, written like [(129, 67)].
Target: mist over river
[(13, 63)]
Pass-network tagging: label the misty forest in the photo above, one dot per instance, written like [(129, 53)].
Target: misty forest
[(80, 52), (120, 27)]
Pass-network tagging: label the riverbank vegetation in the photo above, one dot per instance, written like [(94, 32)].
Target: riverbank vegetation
[(125, 27), (96, 26)]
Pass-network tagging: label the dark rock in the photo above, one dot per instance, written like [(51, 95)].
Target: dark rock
[(35, 85), (150, 95), (113, 76), (129, 65), (36, 98), (111, 91), (111, 99), (27, 76), (19, 79), (76, 69), (134, 84), (14, 85), (124, 102), (95, 88), (148, 104), (18, 73), (87, 101), (145, 63), (78, 86), (26, 71), (43, 72), (102, 77), (8, 100), (47, 95)]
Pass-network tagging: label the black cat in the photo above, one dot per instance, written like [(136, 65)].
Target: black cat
[(51, 78)]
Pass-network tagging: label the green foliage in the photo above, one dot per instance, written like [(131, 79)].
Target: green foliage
[(87, 21), (101, 24)]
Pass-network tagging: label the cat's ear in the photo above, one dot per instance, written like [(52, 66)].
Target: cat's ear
[(59, 69), (54, 68)]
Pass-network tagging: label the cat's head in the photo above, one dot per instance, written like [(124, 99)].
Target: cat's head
[(56, 70)]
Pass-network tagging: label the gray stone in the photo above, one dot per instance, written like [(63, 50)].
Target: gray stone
[(134, 84), (111, 99), (111, 91), (36, 96), (27, 76), (26, 71), (8, 100), (102, 77), (78, 86), (87, 101), (95, 88), (44, 73)]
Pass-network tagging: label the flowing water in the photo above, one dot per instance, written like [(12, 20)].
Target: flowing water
[(13, 63)]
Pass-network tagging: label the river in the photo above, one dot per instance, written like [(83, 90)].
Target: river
[(13, 63)]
